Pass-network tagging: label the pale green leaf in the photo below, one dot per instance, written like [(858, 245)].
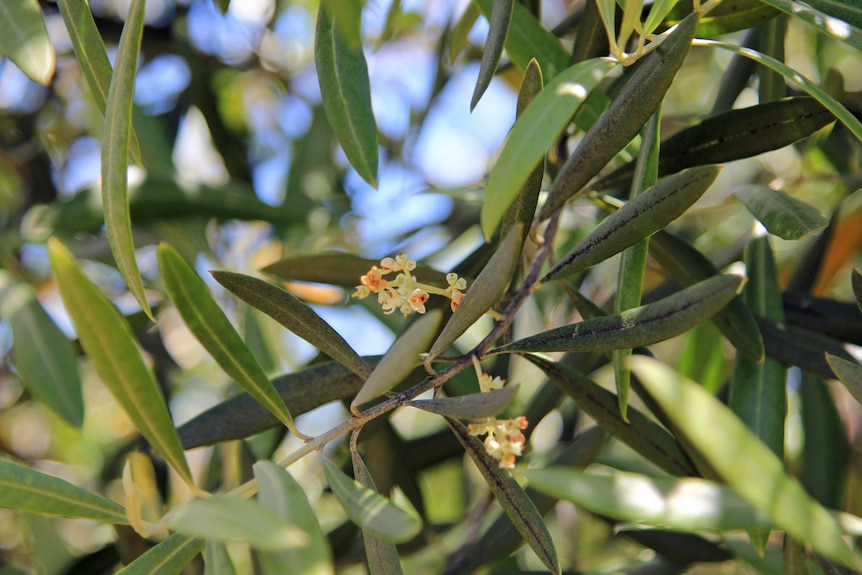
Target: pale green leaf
[(370, 510), (474, 406), (849, 373), (345, 90), (109, 342), (24, 39), (43, 356), (115, 154), (226, 518), (213, 329), (279, 491), (400, 360), (460, 33), (501, 17), (689, 504), (290, 312), (29, 490), (534, 132), (825, 23), (169, 557), (217, 561), (742, 461), (382, 556), (780, 213)]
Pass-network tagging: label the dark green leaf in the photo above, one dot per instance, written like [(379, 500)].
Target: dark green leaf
[(687, 266), (206, 320), (484, 293), (170, 557), (24, 39), (780, 213), (370, 510), (534, 132), (294, 315), (346, 92), (825, 453), (856, 280), (627, 114), (109, 343), (501, 17), (640, 217), (515, 503), (115, 153), (473, 406), (745, 464), (636, 327), (42, 354), (29, 490)]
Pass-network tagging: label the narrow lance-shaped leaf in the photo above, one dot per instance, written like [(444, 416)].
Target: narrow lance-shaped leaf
[(825, 23), (461, 31), (213, 329), (294, 315), (511, 497), (688, 505), (42, 354), (227, 518), (92, 56), (169, 557), (640, 432), (346, 91), (643, 325), (29, 490), (473, 406), (627, 114), (279, 491), (637, 219), (24, 39), (528, 39), (780, 213), (745, 464), (382, 555), (115, 154), (400, 360), (633, 259), (485, 291), (109, 343), (849, 374), (370, 510), (534, 132), (688, 266), (523, 207), (216, 559), (501, 17), (838, 110)]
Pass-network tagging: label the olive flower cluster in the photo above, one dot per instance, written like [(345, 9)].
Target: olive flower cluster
[(405, 293)]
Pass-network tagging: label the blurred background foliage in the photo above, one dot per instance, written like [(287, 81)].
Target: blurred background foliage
[(240, 169)]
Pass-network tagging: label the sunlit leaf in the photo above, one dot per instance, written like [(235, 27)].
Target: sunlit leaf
[(473, 406), (667, 503), (226, 518), (370, 510), (623, 119), (400, 360), (780, 213), (484, 293), (280, 492), (169, 557), (643, 325), (345, 90), (213, 329), (528, 39), (42, 354), (640, 217), (511, 497), (287, 310), (115, 153), (832, 24), (29, 490), (535, 130), (745, 464), (501, 17), (24, 39), (109, 343)]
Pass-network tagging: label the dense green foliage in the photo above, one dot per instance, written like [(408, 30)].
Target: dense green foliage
[(660, 266)]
